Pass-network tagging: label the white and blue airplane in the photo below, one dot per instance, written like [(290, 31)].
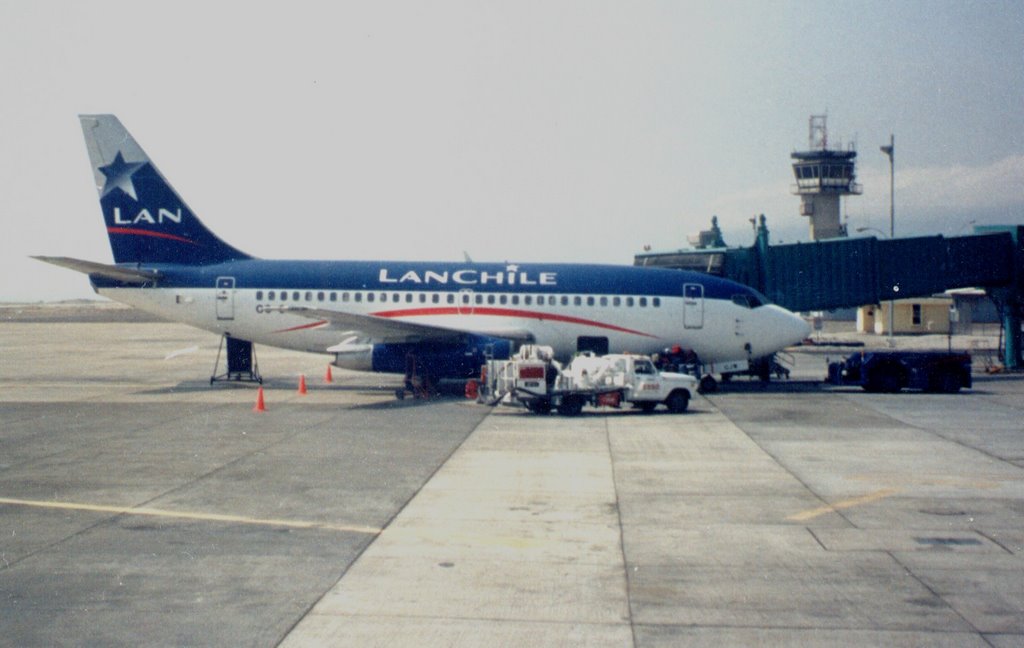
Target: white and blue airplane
[(374, 315)]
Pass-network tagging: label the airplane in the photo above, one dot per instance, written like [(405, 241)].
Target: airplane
[(376, 315)]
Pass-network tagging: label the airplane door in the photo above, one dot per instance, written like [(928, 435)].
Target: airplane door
[(225, 298), (693, 306)]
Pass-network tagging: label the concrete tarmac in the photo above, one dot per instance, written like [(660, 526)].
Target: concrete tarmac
[(138, 505)]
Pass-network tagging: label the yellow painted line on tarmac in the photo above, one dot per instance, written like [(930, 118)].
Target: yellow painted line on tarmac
[(844, 504), (184, 515)]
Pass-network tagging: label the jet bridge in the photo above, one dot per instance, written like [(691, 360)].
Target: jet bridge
[(851, 272)]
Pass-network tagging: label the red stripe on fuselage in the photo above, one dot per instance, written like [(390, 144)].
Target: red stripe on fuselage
[(506, 312), (142, 232), (302, 327)]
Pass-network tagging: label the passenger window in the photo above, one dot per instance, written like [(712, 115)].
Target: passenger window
[(259, 295), (451, 299), (528, 300), (423, 298), (479, 299), (435, 298), (359, 297), (616, 301), (656, 302), (604, 301), (334, 296), (643, 301), (590, 301), (344, 296), (309, 295), (490, 299), (565, 300), (515, 300), (577, 301), (629, 302), (370, 297), (270, 295), (408, 298), (284, 295), (503, 299)]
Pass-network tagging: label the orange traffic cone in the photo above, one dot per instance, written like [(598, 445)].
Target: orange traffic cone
[(260, 407), (302, 384), (328, 378)]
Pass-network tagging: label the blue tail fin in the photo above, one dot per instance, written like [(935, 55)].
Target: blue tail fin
[(147, 221)]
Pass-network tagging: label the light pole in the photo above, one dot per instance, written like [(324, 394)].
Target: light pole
[(890, 151)]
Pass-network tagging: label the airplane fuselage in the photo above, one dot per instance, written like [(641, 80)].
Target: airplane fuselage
[(565, 306)]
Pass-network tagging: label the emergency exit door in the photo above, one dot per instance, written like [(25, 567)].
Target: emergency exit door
[(693, 306), (225, 298)]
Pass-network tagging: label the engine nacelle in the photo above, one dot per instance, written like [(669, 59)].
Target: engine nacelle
[(436, 359)]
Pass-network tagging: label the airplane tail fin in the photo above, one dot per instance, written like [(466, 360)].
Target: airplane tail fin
[(147, 221)]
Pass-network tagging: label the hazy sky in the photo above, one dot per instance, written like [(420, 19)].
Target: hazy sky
[(521, 131)]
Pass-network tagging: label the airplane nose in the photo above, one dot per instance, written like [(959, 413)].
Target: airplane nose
[(788, 328), (801, 330)]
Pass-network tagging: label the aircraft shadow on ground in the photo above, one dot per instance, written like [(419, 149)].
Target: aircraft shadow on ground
[(276, 384)]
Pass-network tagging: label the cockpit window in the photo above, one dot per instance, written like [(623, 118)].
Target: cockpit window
[(749, 300)]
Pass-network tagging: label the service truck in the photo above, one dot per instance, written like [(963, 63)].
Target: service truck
[(542, 385), (891, 371)]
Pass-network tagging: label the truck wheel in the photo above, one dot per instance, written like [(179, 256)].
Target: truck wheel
[(951, 383), (708, 385), (570, 406), (678, 401), (540, 406), (884, 379), (944, 381)]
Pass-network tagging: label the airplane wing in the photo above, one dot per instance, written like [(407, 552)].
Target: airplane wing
[(115, 272), (385, 329)]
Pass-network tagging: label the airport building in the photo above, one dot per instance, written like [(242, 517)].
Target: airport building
[(823, 177)]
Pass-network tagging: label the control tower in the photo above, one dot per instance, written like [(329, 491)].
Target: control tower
[(823, 176)]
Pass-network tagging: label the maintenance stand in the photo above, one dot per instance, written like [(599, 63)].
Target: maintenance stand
[(241, 361)]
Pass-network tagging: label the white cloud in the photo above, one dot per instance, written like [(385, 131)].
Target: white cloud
[(960, 187)]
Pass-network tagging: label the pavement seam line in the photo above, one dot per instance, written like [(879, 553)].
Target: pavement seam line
[(398, 510), (779, 463), (622, 534), (920, 581)]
